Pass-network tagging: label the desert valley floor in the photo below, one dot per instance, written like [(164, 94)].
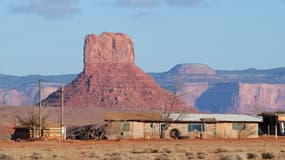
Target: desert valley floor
[(215, 149)]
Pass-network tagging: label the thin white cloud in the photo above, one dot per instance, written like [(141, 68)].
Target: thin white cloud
[(47, 8), (184, 3), (137, 3), (144, 14), (152, 3)]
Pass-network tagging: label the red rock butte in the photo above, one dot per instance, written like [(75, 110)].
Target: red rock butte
[(111, 79), (110, 48)]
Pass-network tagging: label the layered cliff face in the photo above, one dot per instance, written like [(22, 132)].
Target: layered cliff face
[(25, 96), (246, 91), (111, 79), (257, 97), (24, 90)]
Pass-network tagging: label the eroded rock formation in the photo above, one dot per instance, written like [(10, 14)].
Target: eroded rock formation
[(111, 79)]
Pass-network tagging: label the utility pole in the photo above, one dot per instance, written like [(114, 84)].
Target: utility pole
[(62, 104), (40, 107)]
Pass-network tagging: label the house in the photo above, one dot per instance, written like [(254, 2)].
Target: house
[(274, 123), (49, 132), (155, 125)]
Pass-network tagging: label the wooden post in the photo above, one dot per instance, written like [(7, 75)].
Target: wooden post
[(40, 107), (276, 136), (62, 104), (224, 131)]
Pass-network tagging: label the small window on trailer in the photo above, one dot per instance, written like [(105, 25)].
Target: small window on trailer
[(238, 126), (126, 126), (195, 127)]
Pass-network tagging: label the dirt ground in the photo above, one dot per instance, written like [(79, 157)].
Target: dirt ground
[(215, 149)]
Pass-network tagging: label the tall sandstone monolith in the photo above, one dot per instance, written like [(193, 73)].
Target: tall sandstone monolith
[(111, 79)]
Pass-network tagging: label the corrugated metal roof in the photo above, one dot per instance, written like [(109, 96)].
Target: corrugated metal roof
[(217, 117), (124, 116)]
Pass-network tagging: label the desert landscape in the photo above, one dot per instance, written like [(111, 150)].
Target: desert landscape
[(217, 149), (113, 83), (142, 80)]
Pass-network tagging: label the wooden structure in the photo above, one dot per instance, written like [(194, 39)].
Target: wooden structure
[(51, 132), (274, 123), (153, 125)]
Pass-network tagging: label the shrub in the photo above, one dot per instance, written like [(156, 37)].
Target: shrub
[(165, 150), (5, 157), (231, 157), (190, 155), (154, 150), (227, 157), (267, 155), (221, 150), (162, 157), (201, 155), (251, 155), (36, 156)]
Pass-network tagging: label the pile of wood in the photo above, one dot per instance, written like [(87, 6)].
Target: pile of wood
[(88, 132)]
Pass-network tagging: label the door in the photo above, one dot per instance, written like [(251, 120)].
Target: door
[(162, 130)]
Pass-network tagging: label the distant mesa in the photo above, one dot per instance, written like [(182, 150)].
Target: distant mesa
[(190, 68), (111, 79)]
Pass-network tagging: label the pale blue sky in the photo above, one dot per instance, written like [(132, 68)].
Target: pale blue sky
[(46, 36)]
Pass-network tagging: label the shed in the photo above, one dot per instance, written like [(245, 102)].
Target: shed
[(273, 122), (49, 132)]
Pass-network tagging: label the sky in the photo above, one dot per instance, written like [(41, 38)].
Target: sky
[(46, 36)]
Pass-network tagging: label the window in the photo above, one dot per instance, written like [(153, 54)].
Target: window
[(238, 126), (126, 127), (195, 127)]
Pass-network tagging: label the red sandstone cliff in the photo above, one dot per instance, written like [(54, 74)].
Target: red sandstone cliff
[(111, 79)]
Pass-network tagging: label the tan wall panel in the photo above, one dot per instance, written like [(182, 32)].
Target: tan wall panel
[(224, 130), (138, 130), (151, 133), (281, 117)]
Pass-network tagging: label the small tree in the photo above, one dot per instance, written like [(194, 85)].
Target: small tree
[(31, 120), (168, 109)]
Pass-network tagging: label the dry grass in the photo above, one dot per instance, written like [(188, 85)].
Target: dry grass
[(145, 150)]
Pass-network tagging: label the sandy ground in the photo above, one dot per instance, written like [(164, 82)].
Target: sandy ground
[(228, 149)]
